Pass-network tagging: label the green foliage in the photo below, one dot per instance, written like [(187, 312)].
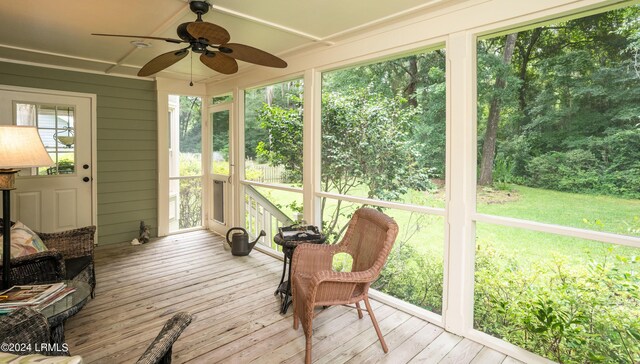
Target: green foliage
[(413, 277), (575, 99), (285, 95), (366, 139), (220, 134), (569, 313), (190, 124), (284, 144), (609, 165), (190, 192)]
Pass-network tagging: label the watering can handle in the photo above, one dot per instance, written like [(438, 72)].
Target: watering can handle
[(230, 230)]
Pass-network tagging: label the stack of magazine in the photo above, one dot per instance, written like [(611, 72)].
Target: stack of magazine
[(36, 296)]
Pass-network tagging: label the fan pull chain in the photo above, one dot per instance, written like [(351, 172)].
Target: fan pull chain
[(191, 83)]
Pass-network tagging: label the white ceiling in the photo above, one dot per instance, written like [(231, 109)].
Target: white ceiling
[(58, 32)]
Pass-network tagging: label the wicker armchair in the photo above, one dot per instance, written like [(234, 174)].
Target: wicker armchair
[(369, 239), (70, 256), (160, 349), (24, 326)]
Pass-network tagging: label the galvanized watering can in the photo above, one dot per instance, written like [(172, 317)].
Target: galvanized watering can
[(239, 242)]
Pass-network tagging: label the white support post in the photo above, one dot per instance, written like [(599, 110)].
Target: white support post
[(311, 136), (461, 183), (207, 187), (237, 164), (163, 164)]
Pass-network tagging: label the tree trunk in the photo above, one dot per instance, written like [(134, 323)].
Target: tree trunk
[(526, 51), (410, 90), (490, 135)]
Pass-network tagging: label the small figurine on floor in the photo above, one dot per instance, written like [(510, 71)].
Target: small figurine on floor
[(144, 235)]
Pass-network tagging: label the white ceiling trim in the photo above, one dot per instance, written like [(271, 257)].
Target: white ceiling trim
[(161, 28), (74, 69), (269, 23), (62, 55), (387, 18)]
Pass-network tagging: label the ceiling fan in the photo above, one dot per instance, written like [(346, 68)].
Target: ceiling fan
[(211, 41)]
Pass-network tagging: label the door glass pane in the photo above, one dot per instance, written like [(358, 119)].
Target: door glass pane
[(220, 142), (56, 126), (218, 201)]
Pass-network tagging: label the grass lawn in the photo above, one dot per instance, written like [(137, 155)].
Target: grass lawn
[(426, 232), (600, 213)]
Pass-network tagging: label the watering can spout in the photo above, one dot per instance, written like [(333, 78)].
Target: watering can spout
[(251, 245)]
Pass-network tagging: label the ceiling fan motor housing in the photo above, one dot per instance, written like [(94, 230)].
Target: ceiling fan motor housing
[(199, 7)]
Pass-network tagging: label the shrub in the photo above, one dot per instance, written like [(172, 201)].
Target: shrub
[(606, 165), (569, 313), (412, 277), (572, 171)]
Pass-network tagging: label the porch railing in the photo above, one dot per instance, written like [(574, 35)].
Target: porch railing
[(261, 214)]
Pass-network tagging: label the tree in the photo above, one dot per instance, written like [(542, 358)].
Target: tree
[(491, 132), (283, 145), (190, 127), (366, 143)]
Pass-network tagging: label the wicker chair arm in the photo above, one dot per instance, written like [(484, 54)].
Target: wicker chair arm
[(160, 349), (366, 276), (73, 243), (24, 326), (328, 286), (310, 258), (43, 267)]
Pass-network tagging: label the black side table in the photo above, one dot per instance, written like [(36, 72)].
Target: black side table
[(284, 287)]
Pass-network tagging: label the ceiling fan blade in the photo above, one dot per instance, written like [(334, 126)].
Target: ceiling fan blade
[(253, 55), (170, 40), (162, 61), (219, 62), (214, 34)]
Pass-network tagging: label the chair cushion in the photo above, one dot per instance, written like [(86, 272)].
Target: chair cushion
[(24, 241), (76, 265)]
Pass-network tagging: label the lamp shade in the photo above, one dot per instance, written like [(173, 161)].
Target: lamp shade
[(21, 147)]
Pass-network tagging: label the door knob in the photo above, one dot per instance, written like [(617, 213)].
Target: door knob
[(86, 179), (85, 166)]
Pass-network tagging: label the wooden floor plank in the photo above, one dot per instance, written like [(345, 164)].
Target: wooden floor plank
[(393, 339), (365, 338), (510, 360), (488, 356), (437, 349), (462, 353), (236, 315), (326, 340)]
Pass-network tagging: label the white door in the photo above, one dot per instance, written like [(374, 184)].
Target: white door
[(219, 179), (59, 197)]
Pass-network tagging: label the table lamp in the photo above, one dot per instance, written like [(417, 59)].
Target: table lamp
[(20, 147)]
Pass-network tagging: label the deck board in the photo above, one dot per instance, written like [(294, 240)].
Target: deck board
[(236, 318)]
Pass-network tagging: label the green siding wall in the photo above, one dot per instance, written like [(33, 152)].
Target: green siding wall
[(127, 143)]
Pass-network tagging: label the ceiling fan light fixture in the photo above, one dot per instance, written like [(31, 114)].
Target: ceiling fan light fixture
[(140, 44)]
